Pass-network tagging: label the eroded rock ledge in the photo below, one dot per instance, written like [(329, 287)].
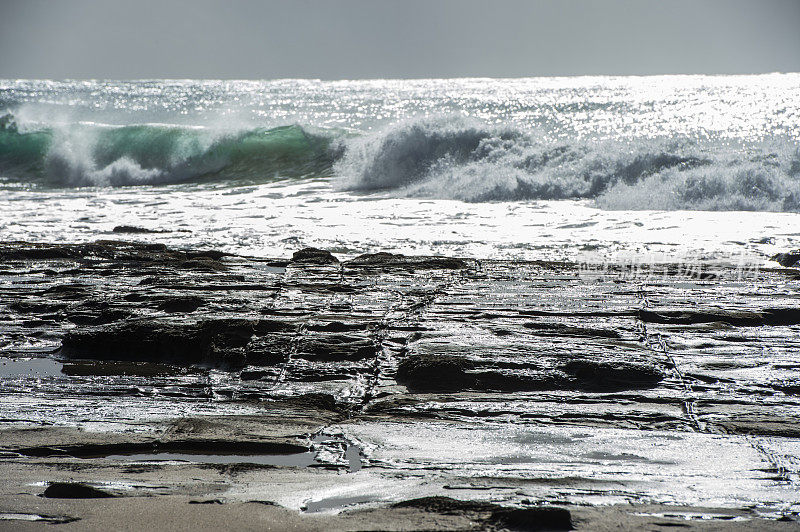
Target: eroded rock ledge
[(314, 318), (366, 362)]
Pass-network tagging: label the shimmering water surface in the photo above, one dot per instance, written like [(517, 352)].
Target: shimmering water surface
[(671, 167)]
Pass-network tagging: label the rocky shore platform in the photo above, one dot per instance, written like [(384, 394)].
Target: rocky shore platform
[(149, 387)]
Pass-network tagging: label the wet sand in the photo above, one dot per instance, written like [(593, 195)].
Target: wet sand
[(182, 385)]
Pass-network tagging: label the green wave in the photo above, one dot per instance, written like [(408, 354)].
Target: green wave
[(22, 153), (148, 154)]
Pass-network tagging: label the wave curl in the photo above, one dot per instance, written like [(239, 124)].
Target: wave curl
[(465, 160), (444, 158), (82, 155)]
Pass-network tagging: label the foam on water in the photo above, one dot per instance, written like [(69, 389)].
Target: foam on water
[(101, 155), (524, 168), (466, 160)]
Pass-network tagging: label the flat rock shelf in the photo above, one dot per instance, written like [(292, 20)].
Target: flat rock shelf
[(391, 392)]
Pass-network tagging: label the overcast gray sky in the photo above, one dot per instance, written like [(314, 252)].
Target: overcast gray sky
[(335, 39)]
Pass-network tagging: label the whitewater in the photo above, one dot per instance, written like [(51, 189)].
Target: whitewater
[(662, 168)]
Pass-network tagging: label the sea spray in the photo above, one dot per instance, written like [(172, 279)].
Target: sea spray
[(666, 142), (83, 155), (461, 159)]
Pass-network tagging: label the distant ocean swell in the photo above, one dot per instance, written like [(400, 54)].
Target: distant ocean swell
[(448, 158)]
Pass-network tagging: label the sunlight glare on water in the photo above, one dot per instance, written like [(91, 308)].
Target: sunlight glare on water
[(539, 168)]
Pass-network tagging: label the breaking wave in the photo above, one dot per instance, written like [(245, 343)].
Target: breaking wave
[(464, 160), (443, 158), (90, 155)]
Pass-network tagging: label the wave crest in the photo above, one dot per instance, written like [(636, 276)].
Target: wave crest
[(464, 160), (146, 154), (447, 158)]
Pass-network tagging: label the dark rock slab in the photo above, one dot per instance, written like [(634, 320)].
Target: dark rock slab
[(336, 347), (495, 516), (30, 251), (609, 376), (134, 229), (37, 307), (221, 342), (446, 505), (68, 292), (207, 501), (788, 259), (113, 250), (203, 264), (338, 326), (99, 317), (113, 368), (270, 350), (560, 329), (789, 387), (187, 446), (436, 373), (313, 256), (181, 304), (536, 518), (781, 316), (440, 373), (522, 380), (769, 316), (74, 490), (396, 260)]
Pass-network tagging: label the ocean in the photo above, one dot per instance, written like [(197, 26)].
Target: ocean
[(665, 167), (166, 337)]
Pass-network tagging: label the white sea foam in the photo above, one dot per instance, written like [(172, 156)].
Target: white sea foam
[(463, 159), (667, 142)]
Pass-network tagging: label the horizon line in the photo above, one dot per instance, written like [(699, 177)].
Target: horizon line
[(421, 78)]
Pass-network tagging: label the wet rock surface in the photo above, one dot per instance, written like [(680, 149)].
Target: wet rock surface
[(397, 260), (494, 515), (394, 370), (224, 342), (314, 256), (74, 490), (443, 373), (104, 250), (741, 318), (788, 259), (136, 230)]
